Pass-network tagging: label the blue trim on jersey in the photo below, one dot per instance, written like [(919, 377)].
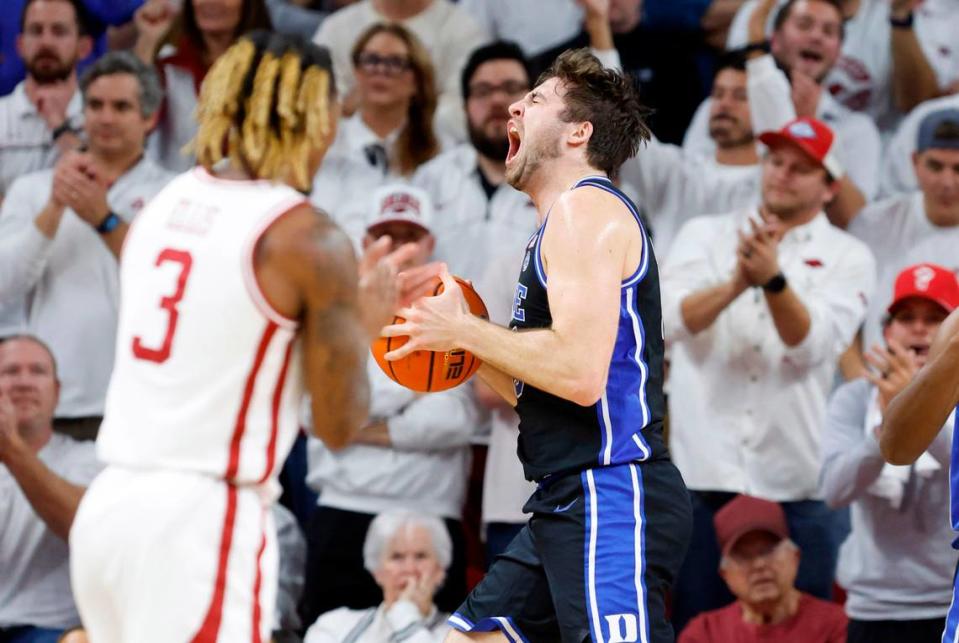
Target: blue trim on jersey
[(606, 185), (622, 421), (951, 632), (616, 592), (504, 624), (954, 479), (537, 259)]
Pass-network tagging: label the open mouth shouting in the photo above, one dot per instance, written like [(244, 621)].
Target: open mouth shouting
[(515, 141)]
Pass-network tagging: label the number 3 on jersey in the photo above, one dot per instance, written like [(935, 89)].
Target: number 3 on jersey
[(169, 304)]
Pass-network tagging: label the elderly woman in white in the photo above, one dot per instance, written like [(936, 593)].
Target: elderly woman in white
[(407, 554)]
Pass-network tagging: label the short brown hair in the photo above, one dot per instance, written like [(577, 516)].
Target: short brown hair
[(607, 99)]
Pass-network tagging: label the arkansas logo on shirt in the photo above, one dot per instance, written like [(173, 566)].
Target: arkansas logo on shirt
[(851, 83)]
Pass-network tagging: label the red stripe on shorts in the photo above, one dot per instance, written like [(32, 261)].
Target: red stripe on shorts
[(234, 463), (275, 414), (211, 624), (256, 587)]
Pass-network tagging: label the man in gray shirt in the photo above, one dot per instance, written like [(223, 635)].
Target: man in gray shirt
[(897, 563), (42, 478)]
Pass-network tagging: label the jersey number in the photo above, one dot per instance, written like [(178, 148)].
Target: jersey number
[(169, 303)]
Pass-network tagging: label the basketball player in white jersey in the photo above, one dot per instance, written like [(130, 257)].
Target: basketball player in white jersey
[(235, 293), (914, 418)]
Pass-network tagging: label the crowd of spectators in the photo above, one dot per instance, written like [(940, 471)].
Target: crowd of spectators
[(802, 193)]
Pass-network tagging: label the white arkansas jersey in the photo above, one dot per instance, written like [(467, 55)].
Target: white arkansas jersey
[(207, 377)]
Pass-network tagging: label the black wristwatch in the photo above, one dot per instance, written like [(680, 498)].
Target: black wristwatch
[(62, 129), (755, 46), (776, 285), (901, 23), (109, 223)]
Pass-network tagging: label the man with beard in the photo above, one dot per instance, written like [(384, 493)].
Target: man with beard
[(467, 184), (42, 478), (673, 186), (806, 43), (61, 231), (42, 116), (757, 308)]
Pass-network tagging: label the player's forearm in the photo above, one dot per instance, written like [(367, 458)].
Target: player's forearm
[(913, 79), (499, 382), (914, 417), (53, 499), (701, 309), (541, 358), (848, 202), (790, 316)]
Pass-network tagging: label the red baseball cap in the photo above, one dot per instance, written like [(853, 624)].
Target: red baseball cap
[(746, 514), (926, 281), (813, 137)]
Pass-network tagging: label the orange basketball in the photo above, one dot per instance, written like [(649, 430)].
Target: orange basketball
[(431, 371)]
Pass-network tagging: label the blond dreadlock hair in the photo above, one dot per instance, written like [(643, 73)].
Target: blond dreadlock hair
[(265, 105)]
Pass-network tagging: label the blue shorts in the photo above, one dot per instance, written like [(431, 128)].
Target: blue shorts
[(594, 562)]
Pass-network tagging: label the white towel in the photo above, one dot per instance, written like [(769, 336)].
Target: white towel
[(893, 478)]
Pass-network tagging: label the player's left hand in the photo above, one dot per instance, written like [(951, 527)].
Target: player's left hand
[(432, 323), (896, 365)]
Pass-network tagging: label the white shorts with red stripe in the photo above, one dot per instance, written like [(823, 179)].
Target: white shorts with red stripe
[(173, 557)]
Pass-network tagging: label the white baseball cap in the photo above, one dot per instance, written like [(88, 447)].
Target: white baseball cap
[(400, 203)]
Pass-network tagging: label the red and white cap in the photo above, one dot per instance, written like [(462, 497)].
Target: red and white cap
[(813, 137), (400, 203), (926, 281)]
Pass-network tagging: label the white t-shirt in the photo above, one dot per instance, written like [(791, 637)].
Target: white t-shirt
[(71, 280), (861, 79), (34, 562), (447, 31), (900, 235), (534, 25), (898, 173), (401, 622)]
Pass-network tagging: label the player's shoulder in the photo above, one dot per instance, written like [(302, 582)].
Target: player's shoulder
[(308, 242)]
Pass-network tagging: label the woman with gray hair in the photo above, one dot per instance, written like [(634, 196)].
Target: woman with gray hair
[(408, 555)]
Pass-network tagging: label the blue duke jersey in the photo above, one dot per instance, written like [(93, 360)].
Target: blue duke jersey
[(559, 436)]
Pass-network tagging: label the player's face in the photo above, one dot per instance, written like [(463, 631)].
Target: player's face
[(761, 568), (810, 39), (937, 171), (27, 377), (112, 118), (793, 183), (409, 557), (50, 44), (494, 86), (913, 324), (730, 123), (535, 132), (401, 233), (218, 16), (384, 73)]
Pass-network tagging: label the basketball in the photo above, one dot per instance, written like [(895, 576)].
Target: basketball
[(431, 371)]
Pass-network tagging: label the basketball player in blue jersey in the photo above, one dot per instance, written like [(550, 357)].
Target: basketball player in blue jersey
[(584, 368), (914, 418)]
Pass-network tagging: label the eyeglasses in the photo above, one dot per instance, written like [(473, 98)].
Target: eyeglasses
[(391, 65), (511, 88)]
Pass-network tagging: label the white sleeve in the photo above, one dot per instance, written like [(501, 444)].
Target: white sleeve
[(738, 35), (770, 100), (696, 140), (331, 627), (329, 35), (837, 309), (898, 174), (609, 58), (655, 173), (859, 151), (436, 421), (686, 270), (480, 11), (24, 250)]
